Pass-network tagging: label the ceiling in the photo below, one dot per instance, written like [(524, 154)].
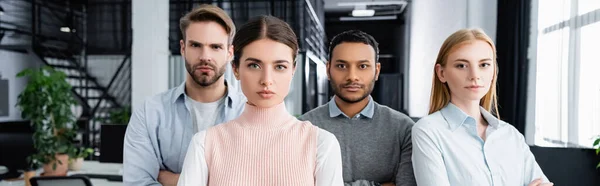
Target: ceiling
[(382, 7)]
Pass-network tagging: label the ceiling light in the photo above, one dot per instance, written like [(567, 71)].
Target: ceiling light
[(65, 29), (379, 18), (363, 13)]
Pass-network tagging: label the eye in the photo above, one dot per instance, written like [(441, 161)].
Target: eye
[(253, 66), (342, 66), (280, 67), (363, 66), (460, 66), (216, 47), (486, 64), (195, 45)]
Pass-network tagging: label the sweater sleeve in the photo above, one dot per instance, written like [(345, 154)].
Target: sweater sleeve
[(329, 160), (195, 169)]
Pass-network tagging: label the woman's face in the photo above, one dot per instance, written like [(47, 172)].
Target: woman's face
[(265, 72), (469, 71)]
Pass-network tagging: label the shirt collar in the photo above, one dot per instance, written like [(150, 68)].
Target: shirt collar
[(179, 93), (368, 111), (456, 117)]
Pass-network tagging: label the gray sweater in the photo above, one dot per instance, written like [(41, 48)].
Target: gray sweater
[(373, 150)]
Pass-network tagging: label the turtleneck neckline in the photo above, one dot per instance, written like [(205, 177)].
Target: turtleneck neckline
[(264, 118)]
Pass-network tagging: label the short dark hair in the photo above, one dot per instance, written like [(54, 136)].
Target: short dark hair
[(264, 27), (354, 36), (207, 12)]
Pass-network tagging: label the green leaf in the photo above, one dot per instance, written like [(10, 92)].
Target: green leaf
[(597, 151), (598, 166), (597, 142)]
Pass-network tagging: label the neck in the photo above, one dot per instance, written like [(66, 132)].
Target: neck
[(258, 117), (205, 94), (351, 109), (471, 108)]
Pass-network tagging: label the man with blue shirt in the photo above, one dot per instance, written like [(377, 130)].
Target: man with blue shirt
[(160, 131), (375, 140)]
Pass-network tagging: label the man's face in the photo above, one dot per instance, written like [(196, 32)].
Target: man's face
[(206, 52), (352, 71)]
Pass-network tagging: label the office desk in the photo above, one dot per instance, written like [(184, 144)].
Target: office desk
[(88, 167)]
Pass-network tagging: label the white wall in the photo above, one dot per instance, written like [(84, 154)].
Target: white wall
[(432, 21), (150, 52), (11, 63)]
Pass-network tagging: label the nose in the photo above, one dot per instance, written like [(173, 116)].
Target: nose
[(266, 79), (352, 74), (474, 74), (205, 54)]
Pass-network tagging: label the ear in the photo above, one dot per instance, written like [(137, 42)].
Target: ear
[(182, 47), (439, 72), (377, 70), (230, 53), (236, 71)]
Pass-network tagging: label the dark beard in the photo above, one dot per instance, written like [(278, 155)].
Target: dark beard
[(205, 80), (337, 92)]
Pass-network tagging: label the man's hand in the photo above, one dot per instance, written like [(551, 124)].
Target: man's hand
[(538, 182), (167, 178), (388, 184)]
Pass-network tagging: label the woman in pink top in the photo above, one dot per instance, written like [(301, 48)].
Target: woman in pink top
[(266, 145)]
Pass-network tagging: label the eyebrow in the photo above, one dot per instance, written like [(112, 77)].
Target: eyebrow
[(198, 43), (260, 61), (464, 60), (344, 61)]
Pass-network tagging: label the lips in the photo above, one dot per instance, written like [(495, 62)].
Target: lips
[(352, 88), (474, 87), (266, 94), (204, 69)]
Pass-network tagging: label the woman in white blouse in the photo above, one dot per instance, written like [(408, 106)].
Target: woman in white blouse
[(460, 142)]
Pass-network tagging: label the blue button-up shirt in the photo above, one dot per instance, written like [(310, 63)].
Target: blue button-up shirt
[(447, 151), (368, 111), (160, 131)]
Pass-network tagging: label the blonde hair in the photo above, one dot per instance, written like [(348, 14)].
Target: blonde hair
[(440, 93)]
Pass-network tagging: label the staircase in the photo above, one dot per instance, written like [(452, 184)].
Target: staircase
[(65, 50)]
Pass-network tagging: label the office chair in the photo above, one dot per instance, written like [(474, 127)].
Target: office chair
[(60, 181)]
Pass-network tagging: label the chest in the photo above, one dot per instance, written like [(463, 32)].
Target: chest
[(470, 161), (253, 157), (369, 150)]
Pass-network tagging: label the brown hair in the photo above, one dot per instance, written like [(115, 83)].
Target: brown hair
[(207, 12), (264, 27), (440, 93)]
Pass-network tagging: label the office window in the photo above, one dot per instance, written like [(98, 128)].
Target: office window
[(567, 90)]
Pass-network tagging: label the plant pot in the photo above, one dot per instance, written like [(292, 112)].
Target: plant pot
[(61, 169), (111, 143), (75, 164), (27, 175)]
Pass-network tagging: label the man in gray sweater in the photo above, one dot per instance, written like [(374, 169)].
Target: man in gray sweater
[(375, 140)]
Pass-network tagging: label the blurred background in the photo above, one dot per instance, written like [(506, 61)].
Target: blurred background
[(116, 53)]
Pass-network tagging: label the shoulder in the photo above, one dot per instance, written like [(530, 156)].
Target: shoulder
[(326, 138), (431, 122), (511, 131), (199, 138), (388, 114), (162, 100), (321, 111)]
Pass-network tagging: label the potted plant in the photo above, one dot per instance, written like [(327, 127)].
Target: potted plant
[(112, 135), (77, 156), (46, 102)]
